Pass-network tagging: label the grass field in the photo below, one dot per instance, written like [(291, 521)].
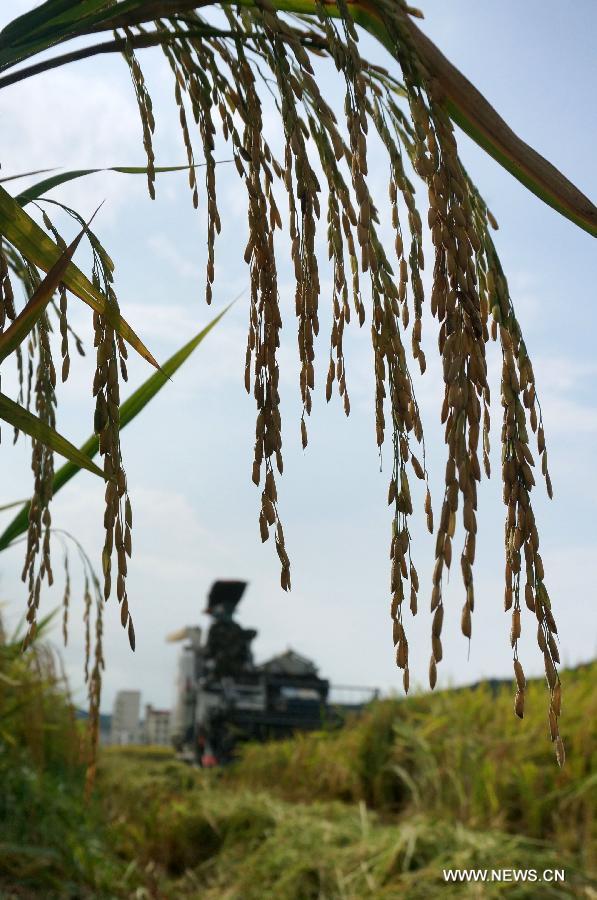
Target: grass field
[(376, 810)]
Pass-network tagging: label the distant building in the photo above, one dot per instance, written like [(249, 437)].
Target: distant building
[(156, 728), (125, 718), (128, 728)]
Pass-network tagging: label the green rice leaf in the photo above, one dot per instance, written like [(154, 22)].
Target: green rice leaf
[(54, 22), (25, 234), (42, 187), (18, 330), (128, 410), (24, 175), (21, 418)]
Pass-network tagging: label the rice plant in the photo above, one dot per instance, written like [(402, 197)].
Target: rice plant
[(222, 57)]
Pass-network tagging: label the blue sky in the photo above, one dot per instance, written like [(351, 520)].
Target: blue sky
[(189, 457)]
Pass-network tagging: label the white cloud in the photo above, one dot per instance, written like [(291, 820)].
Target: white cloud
[(560, 382), (562, 373), (170, 254), (71, 118)]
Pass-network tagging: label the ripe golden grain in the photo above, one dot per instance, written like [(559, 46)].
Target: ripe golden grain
[(466, 621), (519, 674), (432, 673), (556, 699)]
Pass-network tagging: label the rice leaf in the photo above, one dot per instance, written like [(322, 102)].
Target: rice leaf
[(21, 418), (25, 234), (128, 410), (53, 22), (42, 187), (50, 19), (18, 330), (24, 175), (475, 115), (14, 503)]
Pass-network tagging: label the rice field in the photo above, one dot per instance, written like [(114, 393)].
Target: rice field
[(378, 809)]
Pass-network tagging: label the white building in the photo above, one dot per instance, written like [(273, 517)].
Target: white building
[(125, 718), (156, 728)]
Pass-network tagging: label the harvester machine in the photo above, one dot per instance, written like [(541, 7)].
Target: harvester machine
[(225, 699)]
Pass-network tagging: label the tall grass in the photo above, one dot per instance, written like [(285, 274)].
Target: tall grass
[(36, 718), (49, 840)]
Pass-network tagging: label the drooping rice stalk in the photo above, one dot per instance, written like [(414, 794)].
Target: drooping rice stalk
[(219, 67)]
